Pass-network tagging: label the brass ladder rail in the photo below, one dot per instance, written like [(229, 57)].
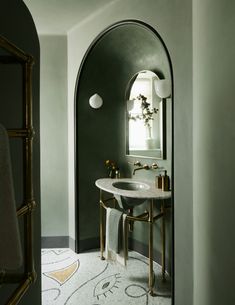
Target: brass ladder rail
[(16, 55)]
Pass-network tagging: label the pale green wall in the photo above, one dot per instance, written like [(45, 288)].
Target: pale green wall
[(214, 151), (54, 136)]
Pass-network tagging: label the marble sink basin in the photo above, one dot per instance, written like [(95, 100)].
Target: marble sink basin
[(131, 185), (129, 202), (131, 192)]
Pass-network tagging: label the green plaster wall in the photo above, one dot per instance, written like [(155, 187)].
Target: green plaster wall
[(107, 69)]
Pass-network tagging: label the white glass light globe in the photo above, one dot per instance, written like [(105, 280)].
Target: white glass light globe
[(162, 88), (95, 101)]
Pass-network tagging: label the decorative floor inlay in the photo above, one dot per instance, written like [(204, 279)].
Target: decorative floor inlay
[(70, 279)]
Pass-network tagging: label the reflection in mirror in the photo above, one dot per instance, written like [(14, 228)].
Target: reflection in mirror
[(145, 134)]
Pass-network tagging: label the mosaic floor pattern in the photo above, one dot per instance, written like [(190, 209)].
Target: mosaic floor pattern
[(71, 279)]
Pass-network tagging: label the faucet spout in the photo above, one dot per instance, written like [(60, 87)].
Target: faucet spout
[(145, 166)]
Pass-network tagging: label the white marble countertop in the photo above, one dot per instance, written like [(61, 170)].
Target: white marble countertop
[(150, 192)]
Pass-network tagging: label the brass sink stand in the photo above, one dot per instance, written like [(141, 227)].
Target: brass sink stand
[(147, 217)]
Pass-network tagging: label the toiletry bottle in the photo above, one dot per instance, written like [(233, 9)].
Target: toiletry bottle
[(159, 181), (165, 182)]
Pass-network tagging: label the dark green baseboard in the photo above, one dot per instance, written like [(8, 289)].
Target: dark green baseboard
[(88, 244), (57, 242)]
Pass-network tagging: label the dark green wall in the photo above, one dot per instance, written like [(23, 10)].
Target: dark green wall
[(16, 24), (107, 68)]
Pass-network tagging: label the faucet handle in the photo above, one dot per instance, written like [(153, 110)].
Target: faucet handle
[(137, 163), (146, 166), (154, 166)]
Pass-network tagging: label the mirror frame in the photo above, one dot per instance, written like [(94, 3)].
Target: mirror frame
[(162, 149)]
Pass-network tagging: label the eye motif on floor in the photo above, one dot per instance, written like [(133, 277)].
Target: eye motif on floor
[(69, 278), (106, 285)]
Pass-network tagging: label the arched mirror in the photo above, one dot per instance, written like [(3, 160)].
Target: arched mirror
[(145, 117)]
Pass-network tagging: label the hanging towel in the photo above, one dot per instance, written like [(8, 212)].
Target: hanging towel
[(124, 233), (10, 246), (116, 236)]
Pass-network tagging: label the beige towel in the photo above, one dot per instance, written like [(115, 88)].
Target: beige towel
[(10, 246), (116, 236)]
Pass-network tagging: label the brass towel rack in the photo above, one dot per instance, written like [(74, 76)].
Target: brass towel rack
[(13, 55)]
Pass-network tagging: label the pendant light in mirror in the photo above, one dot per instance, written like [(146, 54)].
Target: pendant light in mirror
[(162, 88)]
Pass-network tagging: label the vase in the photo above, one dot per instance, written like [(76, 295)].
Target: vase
[(150, 143), (148, 132), (112, 173)]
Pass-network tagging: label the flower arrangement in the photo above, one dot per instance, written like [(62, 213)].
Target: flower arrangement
[(113, 169), (147, 112), (110, 164)]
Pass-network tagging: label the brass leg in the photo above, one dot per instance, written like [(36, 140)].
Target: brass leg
[(163, 243), (131, 223), (151, 248), (101, 229)]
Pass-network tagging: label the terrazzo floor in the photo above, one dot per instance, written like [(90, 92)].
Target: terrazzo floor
[(84, 279)]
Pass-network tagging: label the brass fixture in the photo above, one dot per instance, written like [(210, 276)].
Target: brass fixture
[(148, 217), (154, 166), (145, 166), (26, 133)]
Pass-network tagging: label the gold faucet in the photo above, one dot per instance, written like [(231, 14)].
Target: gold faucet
[(145, 166)]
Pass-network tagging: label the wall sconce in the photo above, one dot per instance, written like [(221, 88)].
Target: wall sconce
[(95, 101), (162, 88)]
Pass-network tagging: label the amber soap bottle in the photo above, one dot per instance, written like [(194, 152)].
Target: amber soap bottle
[(165, 182)]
